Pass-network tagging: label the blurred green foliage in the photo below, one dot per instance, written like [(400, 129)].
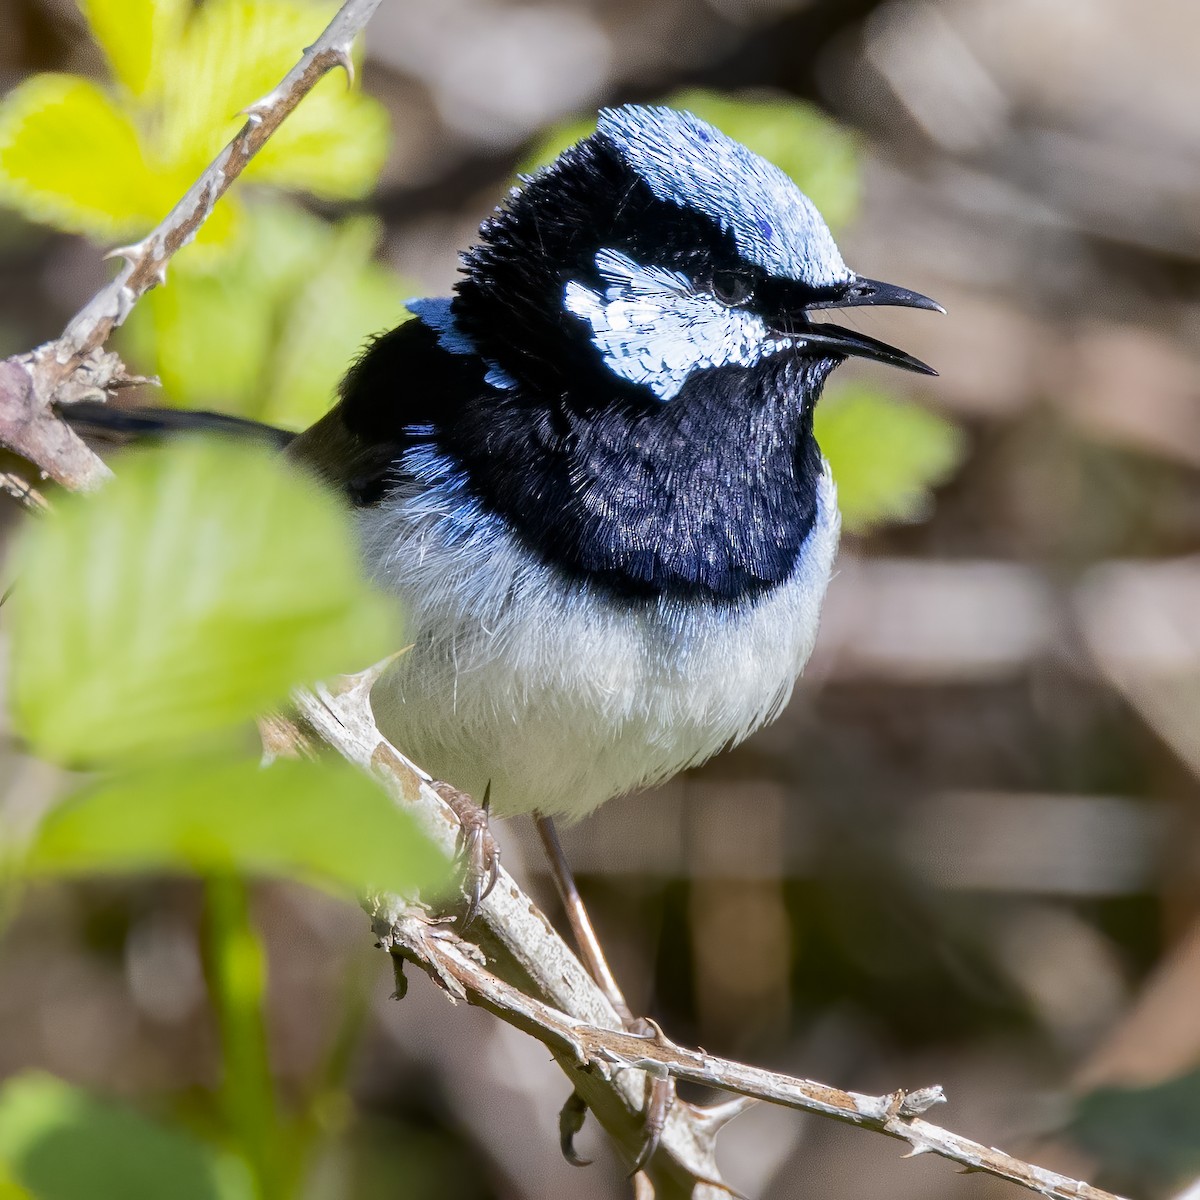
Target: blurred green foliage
[(66, 1145), (180, 601), (1143, 1134), (153, 621), (323, 823), (268, 329), (150, 623), (886, 456), (269, 306)]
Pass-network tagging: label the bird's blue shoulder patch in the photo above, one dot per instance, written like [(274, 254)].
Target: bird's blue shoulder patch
[(688, 162), (438, 313)]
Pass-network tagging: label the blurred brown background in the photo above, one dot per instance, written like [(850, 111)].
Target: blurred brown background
[(969, 853)]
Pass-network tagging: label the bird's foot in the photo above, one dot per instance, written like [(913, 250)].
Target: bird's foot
[(478, 853), (659, 1100)]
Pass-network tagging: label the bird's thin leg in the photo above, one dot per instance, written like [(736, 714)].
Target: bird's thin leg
[(586, 940), (662, 1089)]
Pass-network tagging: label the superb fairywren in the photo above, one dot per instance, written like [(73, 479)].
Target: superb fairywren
[(590, 477)]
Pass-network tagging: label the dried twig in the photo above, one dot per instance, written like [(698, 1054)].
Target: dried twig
[(531, 979)]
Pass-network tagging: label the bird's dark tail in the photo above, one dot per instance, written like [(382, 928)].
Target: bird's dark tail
[(92, 418)]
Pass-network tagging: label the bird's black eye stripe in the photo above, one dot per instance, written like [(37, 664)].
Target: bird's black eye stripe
[(732, 287)]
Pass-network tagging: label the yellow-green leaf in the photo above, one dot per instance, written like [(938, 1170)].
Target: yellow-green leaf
[(136, 37), (70, 157), (885, 455), (232, 53), (322, 822), (190, 593), (333, 146), (10, 1189), (342, 300)]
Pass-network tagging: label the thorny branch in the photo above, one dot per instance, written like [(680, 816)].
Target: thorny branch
[(521, 970)]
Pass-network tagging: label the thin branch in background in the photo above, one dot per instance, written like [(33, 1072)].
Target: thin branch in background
[(587, 944), (532, 979)]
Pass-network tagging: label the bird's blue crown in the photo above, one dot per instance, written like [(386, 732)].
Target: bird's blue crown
[(688, 162)]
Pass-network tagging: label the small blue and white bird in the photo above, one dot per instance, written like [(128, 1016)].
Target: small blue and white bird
[(590, 477)]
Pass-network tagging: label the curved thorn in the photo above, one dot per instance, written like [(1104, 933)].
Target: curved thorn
[(255, 111), (714, 1117), (129, 253), (341, 55)]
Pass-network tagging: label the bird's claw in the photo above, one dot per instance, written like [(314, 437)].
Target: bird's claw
[(478, 854), (662, 1095), (570, 1121), (658, 1108)]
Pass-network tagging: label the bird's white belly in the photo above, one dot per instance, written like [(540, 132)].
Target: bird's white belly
[(562, 696)]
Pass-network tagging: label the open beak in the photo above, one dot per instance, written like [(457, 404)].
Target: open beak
[(861, 293)]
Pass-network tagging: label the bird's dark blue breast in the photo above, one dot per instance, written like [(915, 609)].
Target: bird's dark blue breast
[(712, 494)]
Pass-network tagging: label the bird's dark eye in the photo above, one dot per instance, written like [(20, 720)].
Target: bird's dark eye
[(732, 287)]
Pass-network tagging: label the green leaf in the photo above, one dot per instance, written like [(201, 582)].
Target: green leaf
[(818, 153), (136, 36), (192, 592), (289, 306), (885, 456), (208, 336), (232, 53), (69, 157), (10, 1189), (322, 822), (63, 1144)]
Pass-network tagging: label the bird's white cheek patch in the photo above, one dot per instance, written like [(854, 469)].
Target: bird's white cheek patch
[(655, 328)]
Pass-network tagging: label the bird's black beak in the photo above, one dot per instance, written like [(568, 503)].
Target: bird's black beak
[(861, 293)]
